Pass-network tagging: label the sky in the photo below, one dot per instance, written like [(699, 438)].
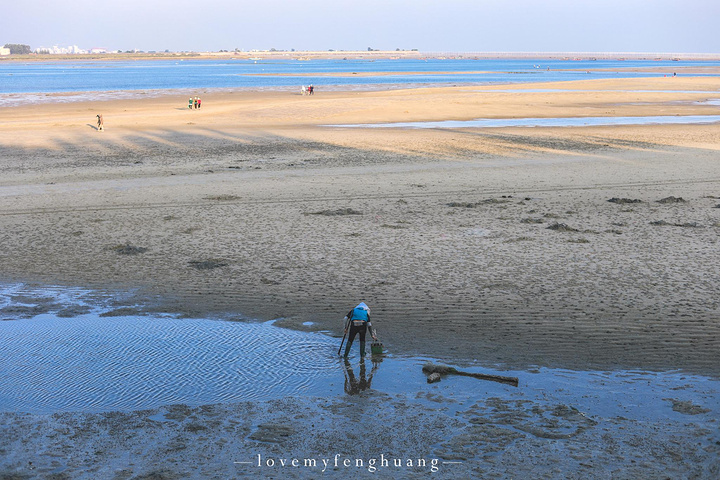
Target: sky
[(656, 26)]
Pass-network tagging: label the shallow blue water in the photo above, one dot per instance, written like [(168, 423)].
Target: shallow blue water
[(91, 363), (103, 76), (545, 122)]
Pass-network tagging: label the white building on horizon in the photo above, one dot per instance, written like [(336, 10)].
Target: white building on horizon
[(56, 50)]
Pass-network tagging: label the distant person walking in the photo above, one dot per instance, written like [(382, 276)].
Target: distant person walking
[(190, 103), (100, 123), (199, 103), (195, 102), (311, 90)]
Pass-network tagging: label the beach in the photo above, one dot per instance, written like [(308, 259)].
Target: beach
[(254, 180), (588, 248)]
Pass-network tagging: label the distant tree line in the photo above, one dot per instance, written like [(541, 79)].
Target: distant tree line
[(18, 48)]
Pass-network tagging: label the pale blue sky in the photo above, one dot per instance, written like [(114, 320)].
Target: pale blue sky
[(443, 25)]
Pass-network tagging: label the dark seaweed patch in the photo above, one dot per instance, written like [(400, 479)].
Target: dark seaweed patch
[(623, 201), (127, 249), (208, 264), (562, 227)]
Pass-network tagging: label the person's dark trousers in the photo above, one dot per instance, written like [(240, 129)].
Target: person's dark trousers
[(354, 331)]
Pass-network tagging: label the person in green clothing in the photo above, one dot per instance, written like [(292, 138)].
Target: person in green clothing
[(190, 103), (358, 320)]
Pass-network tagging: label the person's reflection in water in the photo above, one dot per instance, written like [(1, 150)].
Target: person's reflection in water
[(354, 385)]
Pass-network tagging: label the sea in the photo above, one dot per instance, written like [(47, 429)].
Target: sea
[(33, 81)]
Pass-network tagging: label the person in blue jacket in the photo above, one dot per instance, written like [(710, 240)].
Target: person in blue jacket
[(358, 320)]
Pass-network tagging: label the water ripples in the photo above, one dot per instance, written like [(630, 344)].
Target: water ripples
[(91, 364)]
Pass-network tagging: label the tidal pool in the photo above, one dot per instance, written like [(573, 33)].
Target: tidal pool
[(53, 361), (545, 122)]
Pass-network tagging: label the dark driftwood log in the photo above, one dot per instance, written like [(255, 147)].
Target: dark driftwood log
[(430, 368)]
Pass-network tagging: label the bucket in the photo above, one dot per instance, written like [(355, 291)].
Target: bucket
[(376, 348)]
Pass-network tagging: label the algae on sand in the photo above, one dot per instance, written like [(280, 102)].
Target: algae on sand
[(208, 264), (127, 249), (337, 212)]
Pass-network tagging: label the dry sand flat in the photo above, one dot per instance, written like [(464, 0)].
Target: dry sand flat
[(450, 241)]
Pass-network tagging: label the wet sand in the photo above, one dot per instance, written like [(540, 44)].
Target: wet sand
[(496, 246), (492, 437)]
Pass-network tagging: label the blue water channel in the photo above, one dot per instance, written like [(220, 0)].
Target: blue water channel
[(546, 122), (104, 76)]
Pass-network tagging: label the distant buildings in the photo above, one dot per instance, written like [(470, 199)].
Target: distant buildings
[(4, 51), (73, 49)]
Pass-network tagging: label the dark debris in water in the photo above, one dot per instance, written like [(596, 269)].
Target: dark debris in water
[(623, 201), (272, 432), (23, 311), (434, 377), (208, 264), (672, 199), (687, 407), (337, 212), (73, 311), (430, 369), (123, 312), (127, 249)]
